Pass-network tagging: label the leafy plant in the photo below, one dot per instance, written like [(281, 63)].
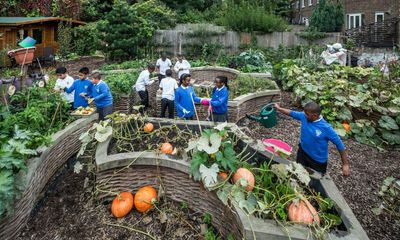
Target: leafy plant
[(64, 39), (122, 83), (86, 39), (390, 195), (328, 16)]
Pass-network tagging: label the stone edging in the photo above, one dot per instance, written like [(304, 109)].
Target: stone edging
[(263, 229), (65, 144)]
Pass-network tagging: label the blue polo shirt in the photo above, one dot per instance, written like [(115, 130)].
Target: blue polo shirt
[(183, 100), (219, 100), (102, 95), (80, 86), (314, 137)]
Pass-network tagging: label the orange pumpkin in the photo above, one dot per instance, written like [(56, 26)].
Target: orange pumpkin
[(223, 175), (167, 148), (144, 198), (148, 127), (346, 127), (303, 212), (122, 204), (246, 175)]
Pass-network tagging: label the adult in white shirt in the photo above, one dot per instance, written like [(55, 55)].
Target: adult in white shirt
[(141, 84), (181, 66), (64, 81), (168, 86), (162, 65)]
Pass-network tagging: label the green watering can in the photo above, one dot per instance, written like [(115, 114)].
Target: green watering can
[(267, 116)]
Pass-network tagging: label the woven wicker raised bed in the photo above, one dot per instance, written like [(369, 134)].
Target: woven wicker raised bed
[(40, 170), (145, 168)]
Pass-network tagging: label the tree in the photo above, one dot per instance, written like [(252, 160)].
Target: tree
[(64, 39), (328, 16), (124, 32)]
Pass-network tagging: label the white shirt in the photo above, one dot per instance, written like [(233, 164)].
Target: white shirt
[(163, 65), (184, 65), (168, 86), (65, 83), (143, 80)]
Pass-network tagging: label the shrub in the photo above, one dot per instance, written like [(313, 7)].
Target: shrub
[(86, 39), (156, 13), (249, 17), (328, 16), (64, 39)]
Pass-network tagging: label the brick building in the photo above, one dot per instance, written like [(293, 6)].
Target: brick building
[(357, 12)]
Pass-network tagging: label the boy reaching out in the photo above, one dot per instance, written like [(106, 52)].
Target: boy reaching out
[(314, 137)]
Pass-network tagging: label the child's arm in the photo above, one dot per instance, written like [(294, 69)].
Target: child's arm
[(219, 101), (104, 91), (70, 89), (196, 99)]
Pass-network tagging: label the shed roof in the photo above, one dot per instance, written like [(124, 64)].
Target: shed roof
[(15, 21)]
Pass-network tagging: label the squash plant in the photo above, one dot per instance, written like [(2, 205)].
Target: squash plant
[(26, 126), (276, 186), (359, 96), (121, 83)]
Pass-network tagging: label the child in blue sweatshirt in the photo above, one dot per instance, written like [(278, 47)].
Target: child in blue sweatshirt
[(219, 100), (101, 96), (185, 97), (82, 88)]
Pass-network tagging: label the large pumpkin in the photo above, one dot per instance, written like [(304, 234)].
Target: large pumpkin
[(148, 127), (246, 175), (346, 127), (122, 204), (167, 148), (303, 212), (144, 198)]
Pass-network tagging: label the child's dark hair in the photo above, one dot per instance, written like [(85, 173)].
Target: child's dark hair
[(312, 107), (61, 70), (224, 80), (168, 72), (183, 76), (84, 70), (151, 66)]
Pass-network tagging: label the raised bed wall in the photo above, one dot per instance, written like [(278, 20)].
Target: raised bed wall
[(148, 167), (40, 170)]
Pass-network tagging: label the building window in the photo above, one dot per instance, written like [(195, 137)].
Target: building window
[(37, 34), (302, 3), (354, 20), (379, 17), (309, 2)]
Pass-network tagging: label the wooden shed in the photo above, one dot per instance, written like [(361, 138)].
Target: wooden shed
[(42, 29)]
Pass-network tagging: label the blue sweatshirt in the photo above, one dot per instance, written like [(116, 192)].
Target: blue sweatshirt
[(80, 86), (219, 100), (315, 136), (102, 95), (183, 100)]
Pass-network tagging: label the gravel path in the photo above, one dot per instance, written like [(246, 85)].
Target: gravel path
[(368, 166)]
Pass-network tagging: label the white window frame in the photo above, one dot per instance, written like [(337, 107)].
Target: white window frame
[(354, 16), (302, 3), (379, 14), (309, 2)]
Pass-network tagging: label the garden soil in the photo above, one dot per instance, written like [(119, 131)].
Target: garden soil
[(73, 66), (369, 167), (66, 211)]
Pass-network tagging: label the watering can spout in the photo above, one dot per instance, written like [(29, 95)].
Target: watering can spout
[(267, 116)]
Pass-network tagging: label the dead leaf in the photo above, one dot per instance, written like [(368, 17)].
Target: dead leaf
[(163, 217), (147, 220)]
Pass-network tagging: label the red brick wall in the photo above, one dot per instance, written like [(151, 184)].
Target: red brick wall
[(368, 8)]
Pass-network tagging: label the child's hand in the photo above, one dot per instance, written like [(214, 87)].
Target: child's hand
[(90, 100), (82, 94)]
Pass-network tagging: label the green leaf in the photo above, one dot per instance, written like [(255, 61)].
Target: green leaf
[(331, 218), (209, 175), (198, 159), (209, 144), (103, 132), (391, 137), (388, 123)]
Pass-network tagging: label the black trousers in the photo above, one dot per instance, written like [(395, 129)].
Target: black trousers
[(144, 99), (220, 117), (104, 111), (160, 76), (166, 103), (304, 159)]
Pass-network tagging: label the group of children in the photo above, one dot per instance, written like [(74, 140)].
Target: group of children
[(182, 95), (82, 91)]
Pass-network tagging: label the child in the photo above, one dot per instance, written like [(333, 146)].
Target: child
[(64, 81), (185, 98), (168, 86), (181, 66), (101, 96), (219, 100), (141, 83), (81, 88), (162, 65)]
